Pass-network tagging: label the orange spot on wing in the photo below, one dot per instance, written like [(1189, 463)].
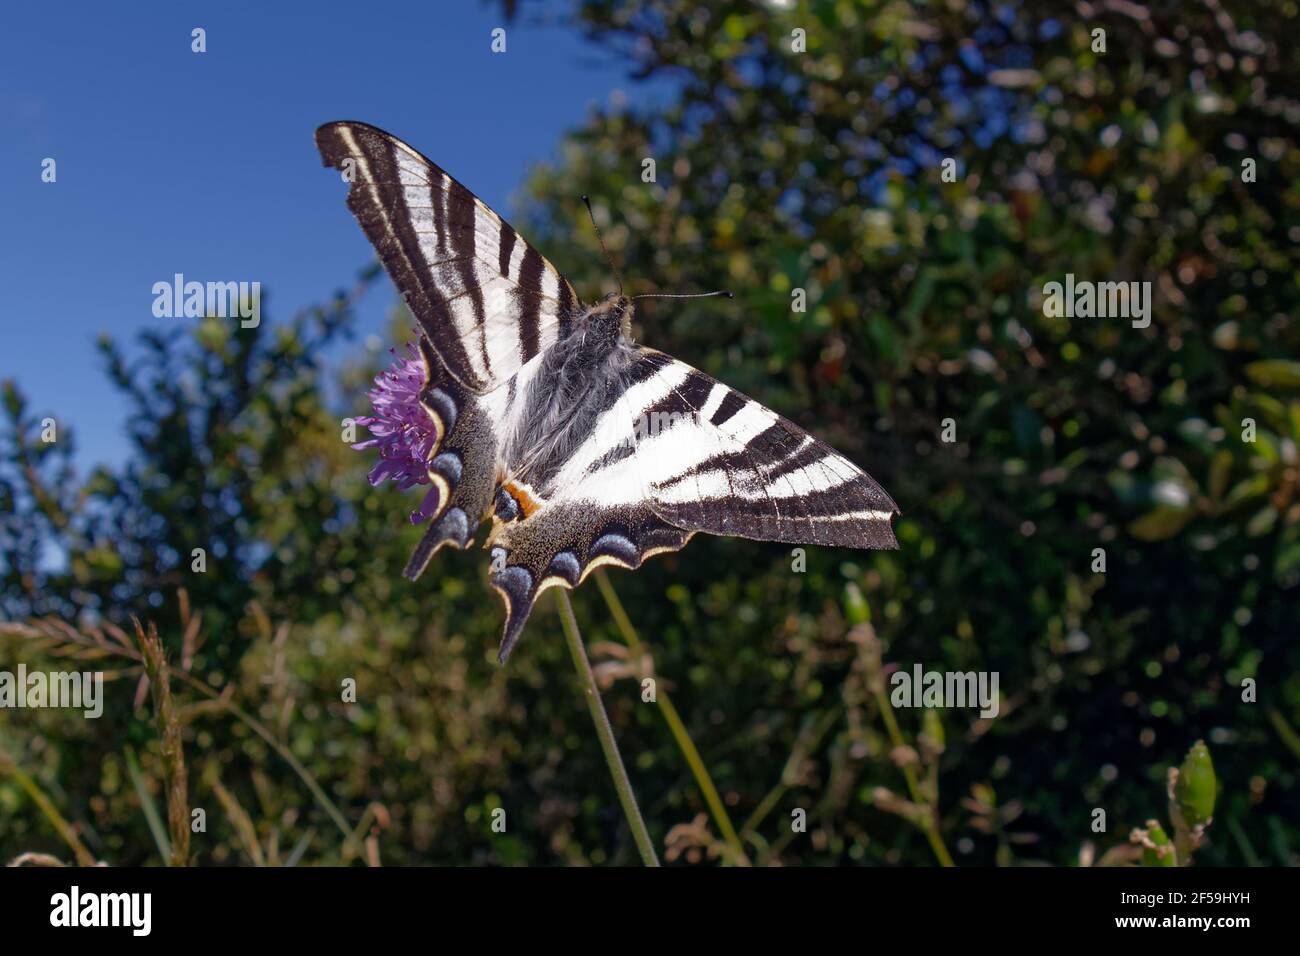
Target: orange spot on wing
[(527, 504)]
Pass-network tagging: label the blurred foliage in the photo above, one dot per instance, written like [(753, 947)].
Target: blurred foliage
[(776, 171)]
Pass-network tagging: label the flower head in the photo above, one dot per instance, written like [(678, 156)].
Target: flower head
[(401, 430)]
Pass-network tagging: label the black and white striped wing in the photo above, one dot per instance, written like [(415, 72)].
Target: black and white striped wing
[(677, 452), (486, 299), (714, 460)]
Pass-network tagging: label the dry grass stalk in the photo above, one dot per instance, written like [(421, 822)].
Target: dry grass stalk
[(170, 743)]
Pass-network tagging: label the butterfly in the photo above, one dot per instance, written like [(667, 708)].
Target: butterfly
[(582, 447)]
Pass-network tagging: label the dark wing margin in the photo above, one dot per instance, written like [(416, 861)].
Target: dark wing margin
[(563, 543), (486, 299), (461, 467)]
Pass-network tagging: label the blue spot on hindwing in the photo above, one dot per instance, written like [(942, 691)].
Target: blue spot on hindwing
[(444, 406), (617, 546), (507, 509), (449, 466), (565, 565), (515, 580), (454, 527)]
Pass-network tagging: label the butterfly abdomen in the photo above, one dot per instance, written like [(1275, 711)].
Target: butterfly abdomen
[(579, 379)]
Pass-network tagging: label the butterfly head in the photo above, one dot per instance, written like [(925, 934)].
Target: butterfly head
[(615, 311)]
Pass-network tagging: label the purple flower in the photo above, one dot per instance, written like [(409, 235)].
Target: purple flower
[(402, 431)]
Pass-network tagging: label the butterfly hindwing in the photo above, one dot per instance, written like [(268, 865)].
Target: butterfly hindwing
[(486, 299), (715, 460), (674, 453), (551, 526), (561, 543), (462, 465), (704, 457)]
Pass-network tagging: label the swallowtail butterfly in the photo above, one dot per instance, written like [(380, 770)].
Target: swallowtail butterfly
[(583, 447)]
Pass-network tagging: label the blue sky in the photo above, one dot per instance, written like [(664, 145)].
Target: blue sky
[(171, 161)]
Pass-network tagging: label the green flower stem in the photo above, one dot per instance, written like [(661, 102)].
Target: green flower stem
[(1284, 731), (806, 744), (604, 731), (929, 826), (676, 726)]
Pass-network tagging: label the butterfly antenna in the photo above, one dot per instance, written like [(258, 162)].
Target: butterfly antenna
[(608, 257), (683, 295)]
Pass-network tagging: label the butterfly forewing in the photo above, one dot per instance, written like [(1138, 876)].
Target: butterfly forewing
[(487, 300)]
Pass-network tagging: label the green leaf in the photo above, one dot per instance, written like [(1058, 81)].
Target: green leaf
[(1287, 562), (1270, 409), (1262, 522), (1275, 373), (149, 806), (1245, 490), (1267, 448), (922, 291), (104, 561), (1220, 473), (1162, 523)]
